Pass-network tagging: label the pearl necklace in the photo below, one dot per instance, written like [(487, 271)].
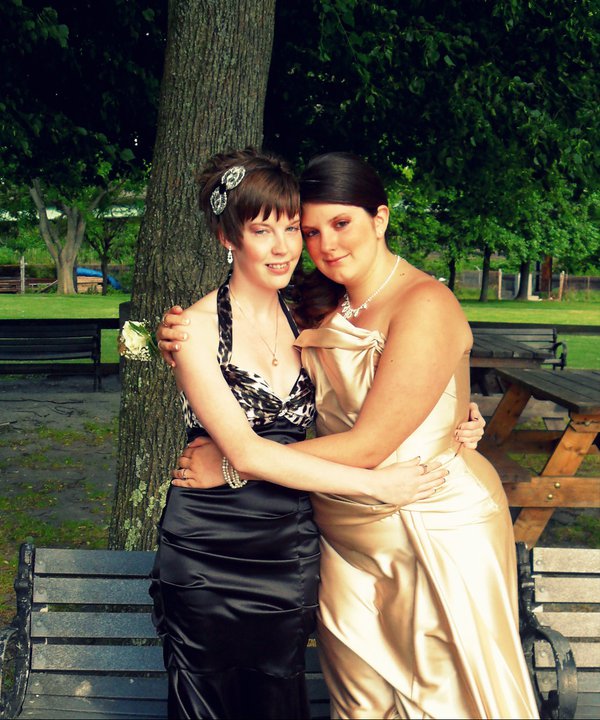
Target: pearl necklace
[(348, 311), (273, 352)]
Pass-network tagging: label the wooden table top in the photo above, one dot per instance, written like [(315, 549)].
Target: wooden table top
[(576, 390)]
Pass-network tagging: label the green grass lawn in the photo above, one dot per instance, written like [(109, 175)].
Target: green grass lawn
[(583, 351)]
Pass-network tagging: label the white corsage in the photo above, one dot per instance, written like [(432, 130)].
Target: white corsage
[(137, 342)]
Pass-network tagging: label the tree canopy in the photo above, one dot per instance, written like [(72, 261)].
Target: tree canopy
[(79, 88), (490, 106)]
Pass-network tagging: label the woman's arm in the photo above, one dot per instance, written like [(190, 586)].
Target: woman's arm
[(199, 376)]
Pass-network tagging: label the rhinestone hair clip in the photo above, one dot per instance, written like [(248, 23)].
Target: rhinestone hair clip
[(231, 179)]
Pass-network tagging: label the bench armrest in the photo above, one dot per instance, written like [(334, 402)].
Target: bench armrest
[(560, 352), (560, 704), (14, 670)]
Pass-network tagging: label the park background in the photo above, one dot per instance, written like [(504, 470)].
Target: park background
[(482, 117)]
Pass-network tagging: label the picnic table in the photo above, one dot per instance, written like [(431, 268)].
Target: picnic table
[(578, 391)]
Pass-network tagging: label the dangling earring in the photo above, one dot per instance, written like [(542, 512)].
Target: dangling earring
[(229, 255)]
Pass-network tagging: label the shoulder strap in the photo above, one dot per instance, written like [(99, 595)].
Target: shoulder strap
[(287, 312), (225, 324)]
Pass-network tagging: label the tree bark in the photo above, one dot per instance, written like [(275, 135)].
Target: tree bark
[(485, 274), (523, 280), (212, 99)]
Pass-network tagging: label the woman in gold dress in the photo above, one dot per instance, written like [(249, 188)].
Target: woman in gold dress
[(418, 604)]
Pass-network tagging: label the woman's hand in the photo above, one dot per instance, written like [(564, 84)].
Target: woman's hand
[(470, 433), (169, 334), (199, 465), (407, 482)]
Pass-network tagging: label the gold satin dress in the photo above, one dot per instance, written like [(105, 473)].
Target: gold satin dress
[(418, 605)]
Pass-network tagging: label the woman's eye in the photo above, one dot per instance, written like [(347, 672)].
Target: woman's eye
[(293, 228), (342, 223), (309, 233)]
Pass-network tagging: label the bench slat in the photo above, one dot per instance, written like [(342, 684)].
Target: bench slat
[(587, 681), (145, 688), (24, 332), (91, 591), (100, 707), (97, 658), (569, 560), (92, 625), (572, 624), (587, 654), (134, 563), (569, 590)]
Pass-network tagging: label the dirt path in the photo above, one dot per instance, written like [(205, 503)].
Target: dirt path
[(58, 431)]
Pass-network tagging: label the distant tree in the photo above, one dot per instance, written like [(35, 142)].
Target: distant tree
[(79, 86), (112, 230), (212, 98)]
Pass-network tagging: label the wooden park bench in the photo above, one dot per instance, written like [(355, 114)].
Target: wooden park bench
[(560, 627), (82, 643), (543, 338), (44, 346)]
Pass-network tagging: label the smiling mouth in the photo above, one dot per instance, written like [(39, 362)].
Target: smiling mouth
[(278, 266), (332, 261)]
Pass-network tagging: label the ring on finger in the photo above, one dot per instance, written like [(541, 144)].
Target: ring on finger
[(424, 466), (183, 474), (163, 322)]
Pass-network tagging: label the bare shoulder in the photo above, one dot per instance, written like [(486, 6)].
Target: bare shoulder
[(203, 313), (428, 303)]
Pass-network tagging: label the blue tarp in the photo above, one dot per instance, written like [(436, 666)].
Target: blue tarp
[(88, 272)]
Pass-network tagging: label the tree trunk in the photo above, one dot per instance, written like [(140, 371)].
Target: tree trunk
[(212, 99), (546, 277), (485, 274), (452, 274), (523, 280), (104, 270), (63, 250)]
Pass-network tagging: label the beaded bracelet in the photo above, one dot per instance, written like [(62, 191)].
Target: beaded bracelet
[(231, 475)]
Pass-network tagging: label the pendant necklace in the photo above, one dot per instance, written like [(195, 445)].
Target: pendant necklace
[(273, 352), (348, 311)]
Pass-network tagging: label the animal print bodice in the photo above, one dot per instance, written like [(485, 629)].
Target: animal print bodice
[(254, 394)]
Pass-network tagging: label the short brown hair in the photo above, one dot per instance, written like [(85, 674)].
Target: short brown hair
[(269, 185)]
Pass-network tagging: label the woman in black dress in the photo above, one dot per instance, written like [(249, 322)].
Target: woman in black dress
[(236, 572)]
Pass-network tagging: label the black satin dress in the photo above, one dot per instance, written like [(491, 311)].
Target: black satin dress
[(236, 573)]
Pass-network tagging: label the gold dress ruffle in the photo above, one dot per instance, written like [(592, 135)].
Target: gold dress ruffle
[(418, 605)]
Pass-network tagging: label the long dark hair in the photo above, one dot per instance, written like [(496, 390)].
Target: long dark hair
[(340, 178)]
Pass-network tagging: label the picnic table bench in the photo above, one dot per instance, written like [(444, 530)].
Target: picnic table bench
[(82, 643), (42, 346)]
